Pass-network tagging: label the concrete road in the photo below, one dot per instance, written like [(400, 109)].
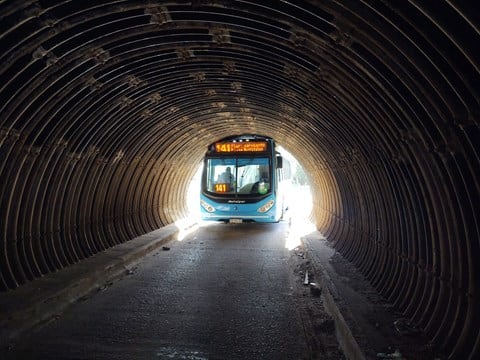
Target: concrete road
[(224, 292)]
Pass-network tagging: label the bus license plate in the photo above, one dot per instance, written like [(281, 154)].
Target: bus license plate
[(235, 221)]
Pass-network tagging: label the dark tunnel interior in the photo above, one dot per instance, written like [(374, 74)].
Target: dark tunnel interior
[(107, 108)]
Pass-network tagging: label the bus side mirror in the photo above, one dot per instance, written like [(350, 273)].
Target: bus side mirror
[(279, 162)]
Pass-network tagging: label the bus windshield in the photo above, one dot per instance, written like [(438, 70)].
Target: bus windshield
[(238, 175)]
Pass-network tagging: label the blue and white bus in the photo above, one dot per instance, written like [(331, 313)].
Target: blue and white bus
[(242, 180)]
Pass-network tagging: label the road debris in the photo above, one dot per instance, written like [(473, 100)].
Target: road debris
[(306, 281), (315, 289), (405, 327), (105, 286), (395, 355)]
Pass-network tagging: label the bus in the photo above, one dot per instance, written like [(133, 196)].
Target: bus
[(242, 180)]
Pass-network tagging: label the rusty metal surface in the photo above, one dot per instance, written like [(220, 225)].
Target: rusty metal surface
[(106, 107)]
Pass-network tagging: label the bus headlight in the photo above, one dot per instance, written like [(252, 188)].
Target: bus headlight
[(266, 207), (207, 206)]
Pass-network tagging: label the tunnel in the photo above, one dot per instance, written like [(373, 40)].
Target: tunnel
[(107, 108)]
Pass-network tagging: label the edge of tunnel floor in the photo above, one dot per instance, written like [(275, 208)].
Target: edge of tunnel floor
[(367, 326), (41, 300)]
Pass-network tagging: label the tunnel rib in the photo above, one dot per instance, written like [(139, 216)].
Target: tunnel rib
[(107, 108)]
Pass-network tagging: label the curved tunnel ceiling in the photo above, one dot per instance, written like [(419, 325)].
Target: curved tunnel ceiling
[(107, 106)]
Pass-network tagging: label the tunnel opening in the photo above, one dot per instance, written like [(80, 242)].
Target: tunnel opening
[(245, 178), (298, 198), (295, 192), (300, 203)]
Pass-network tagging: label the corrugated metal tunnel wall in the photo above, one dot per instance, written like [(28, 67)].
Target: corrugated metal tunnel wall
[(107, 106)]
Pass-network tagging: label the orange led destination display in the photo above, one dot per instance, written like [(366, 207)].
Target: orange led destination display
[(249, 146)]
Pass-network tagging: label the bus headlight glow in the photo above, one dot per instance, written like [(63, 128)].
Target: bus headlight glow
[(207, 206), (266, 207)]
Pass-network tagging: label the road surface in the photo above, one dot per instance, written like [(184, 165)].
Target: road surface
[(224, 292)]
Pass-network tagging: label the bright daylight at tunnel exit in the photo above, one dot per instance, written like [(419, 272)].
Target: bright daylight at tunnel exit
[(238, 179)]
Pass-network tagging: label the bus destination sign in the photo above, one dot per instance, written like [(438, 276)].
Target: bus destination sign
[(248, 146)]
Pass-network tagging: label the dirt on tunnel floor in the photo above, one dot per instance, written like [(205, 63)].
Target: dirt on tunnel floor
[(378, 329)]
